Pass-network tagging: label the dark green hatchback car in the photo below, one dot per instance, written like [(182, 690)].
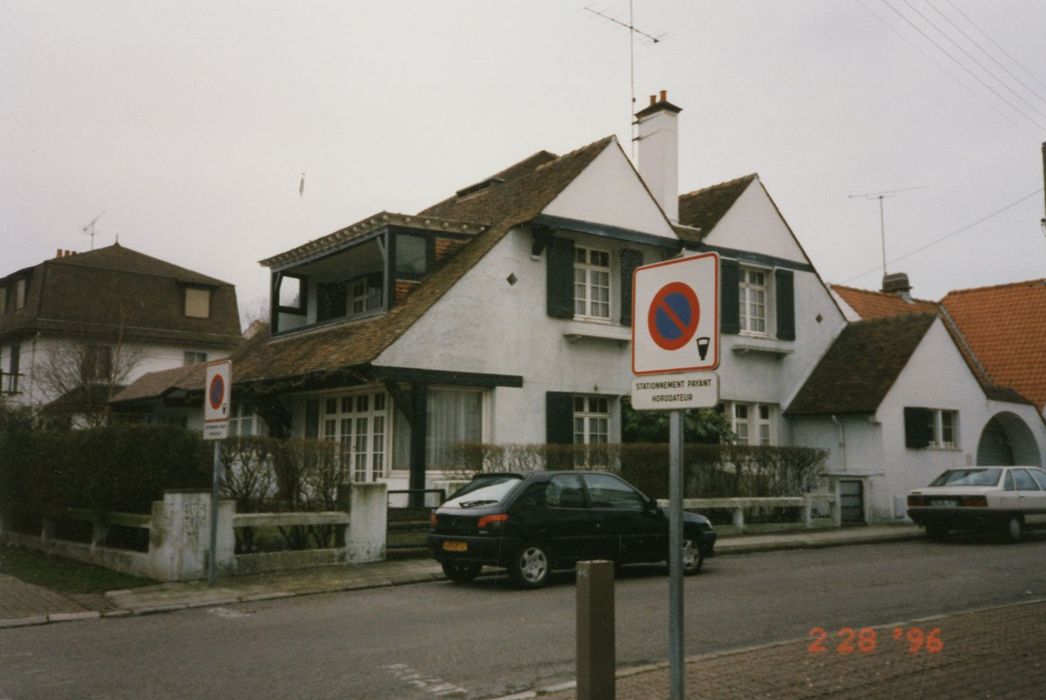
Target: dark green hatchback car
[(534, 523)]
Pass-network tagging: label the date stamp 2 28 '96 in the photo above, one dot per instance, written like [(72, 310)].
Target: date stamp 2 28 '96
[(865, 640)]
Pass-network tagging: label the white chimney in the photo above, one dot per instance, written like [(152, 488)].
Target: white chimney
[(658, 139)]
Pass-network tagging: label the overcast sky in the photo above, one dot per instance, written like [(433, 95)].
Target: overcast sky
[(189, 123)]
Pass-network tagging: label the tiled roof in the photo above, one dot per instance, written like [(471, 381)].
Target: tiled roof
[(862, 364), (869, 305), (155, 384), (1005, 327), (118, 290), (514, 196), (702, 209)]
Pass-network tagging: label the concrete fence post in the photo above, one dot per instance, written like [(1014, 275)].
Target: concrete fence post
[(180, 533), (99, 531), (596, 653), (739, 518), (368, 526)]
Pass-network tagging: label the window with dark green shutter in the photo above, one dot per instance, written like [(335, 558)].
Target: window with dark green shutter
[(630, 260), (784, 299), (729, 308), (560, 278), (918, 427), (559, 418)]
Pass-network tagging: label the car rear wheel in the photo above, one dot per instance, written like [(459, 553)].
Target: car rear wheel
[(1015, 528), (530, 566), (459, 571), (692, 557)]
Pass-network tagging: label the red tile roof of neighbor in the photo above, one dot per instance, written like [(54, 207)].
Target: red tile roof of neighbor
[(1005, 326), (870, 305)]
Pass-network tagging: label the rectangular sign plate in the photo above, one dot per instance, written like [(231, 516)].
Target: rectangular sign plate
[(669, 392)]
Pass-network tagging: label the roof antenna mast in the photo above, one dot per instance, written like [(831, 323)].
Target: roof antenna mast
[(882, 219), (88, 229), (632, 32)]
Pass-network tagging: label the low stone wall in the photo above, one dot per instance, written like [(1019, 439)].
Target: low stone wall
[(179, 536), (739, 505)]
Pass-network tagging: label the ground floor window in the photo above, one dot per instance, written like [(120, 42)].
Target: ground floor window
[(752, 423), (244, 422), (931, 427), (358, 424), (592, 427), (453, 417)]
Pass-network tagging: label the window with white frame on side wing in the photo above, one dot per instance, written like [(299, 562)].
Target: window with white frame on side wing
[(931, 427), (591, 284), (753, 423)]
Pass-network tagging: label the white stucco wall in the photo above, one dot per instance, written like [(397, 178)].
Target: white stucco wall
[(754, 224), (608, 192)]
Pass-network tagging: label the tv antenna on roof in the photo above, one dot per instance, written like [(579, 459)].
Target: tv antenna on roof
[(632, 33), (882, 219), (88, 229)]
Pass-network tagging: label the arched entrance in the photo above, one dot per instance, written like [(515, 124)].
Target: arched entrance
[(1007, 440)]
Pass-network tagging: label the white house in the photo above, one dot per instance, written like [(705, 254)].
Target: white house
[(896, 402), (89, 323)]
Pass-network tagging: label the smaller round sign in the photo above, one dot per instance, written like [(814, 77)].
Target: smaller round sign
[(216, 391), (673, 316)]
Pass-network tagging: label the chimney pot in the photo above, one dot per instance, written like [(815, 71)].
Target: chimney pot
[(653, 99), (664, 95), (897, 283), (59, 253)]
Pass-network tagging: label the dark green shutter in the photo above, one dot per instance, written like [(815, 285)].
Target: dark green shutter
[(729, 296), (560, 283), (785, 302), (918, 430), (559, 418), (630, 260)]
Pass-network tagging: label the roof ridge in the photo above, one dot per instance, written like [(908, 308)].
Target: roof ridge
[(721, 185), (879, 292), (969, 290)]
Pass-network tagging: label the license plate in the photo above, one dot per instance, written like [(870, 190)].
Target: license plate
[(455, 546), (942, 503)]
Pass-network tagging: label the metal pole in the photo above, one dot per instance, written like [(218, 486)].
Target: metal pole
[(675, 552), (212, 567), (882, 232)]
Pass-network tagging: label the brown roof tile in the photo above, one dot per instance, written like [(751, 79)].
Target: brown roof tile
[(870, 305), (1005, 327), (862, 364)]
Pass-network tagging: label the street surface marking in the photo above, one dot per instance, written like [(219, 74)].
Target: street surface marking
[(227, 613), (424, 682)]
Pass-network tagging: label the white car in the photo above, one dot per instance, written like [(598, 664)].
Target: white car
[(1007, 499)]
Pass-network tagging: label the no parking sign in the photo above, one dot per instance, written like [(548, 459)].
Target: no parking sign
[(217, 400), (675, 307)]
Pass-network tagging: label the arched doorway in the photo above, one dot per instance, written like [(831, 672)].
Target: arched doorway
[(1007, 440)]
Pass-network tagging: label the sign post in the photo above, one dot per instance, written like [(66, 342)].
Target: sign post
[(675, 335), (217, 402)]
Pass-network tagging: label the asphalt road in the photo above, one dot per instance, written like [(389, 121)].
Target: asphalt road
[(486, 639)]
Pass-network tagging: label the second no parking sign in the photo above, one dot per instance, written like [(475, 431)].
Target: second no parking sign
[(675, 312)]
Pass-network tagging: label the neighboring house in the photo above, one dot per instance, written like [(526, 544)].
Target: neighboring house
[(896, 401), (893, 300), (77, 328), (1005, 328), (502, 314)]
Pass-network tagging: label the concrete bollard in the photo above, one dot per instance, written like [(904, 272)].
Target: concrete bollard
[(596, 655)]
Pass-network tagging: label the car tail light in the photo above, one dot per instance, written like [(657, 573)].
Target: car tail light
[(492, 522), (917, 501), (974, 501)]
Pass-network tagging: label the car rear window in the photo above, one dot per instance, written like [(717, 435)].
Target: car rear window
[(484, 490), (968, 477)]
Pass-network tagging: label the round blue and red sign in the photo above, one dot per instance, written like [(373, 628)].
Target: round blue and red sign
[(673, 316), (216, 391)]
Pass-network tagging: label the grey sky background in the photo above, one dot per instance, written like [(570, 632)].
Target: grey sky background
[(189, 124)]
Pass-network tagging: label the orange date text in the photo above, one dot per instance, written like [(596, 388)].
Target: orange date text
[(865, 640)]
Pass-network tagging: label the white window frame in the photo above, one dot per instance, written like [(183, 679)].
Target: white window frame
[(591, 426), (244, 423), (940, 425), (588, 280), (753, 423), (359, 422), (748, 301)]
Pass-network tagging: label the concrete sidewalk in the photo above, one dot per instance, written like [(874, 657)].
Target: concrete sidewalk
[(25, 604)]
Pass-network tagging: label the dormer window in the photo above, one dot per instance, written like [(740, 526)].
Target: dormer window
[(291, 294), (197, 302)]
